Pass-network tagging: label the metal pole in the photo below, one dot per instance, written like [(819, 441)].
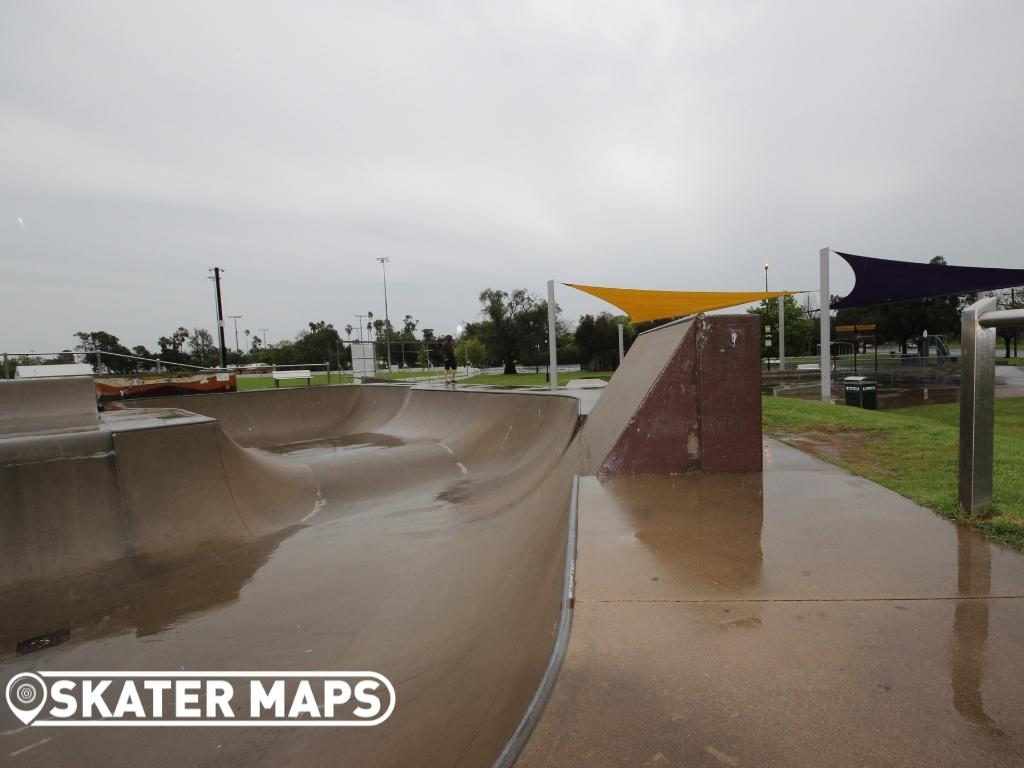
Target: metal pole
[(622, 346), (768, 352), (387, 322), (266, 334), (826, 328), (360, 319), (977, 412), (220, 317), (782, 332), (552, 346), (238, 349)]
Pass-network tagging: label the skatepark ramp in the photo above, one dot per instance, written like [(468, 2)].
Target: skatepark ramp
[(686, 398), (419, 533)]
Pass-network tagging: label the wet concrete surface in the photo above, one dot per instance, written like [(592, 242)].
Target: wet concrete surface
[(433, 556), (825, 622)]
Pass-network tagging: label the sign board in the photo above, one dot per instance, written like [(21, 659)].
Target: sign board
[(364, 360)]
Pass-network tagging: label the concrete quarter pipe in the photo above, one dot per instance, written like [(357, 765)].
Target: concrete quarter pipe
[(417, 533)]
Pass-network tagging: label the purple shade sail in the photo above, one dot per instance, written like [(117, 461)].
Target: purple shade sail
[(883, 281)]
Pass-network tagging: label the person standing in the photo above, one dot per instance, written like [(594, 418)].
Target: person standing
[(448, 355)]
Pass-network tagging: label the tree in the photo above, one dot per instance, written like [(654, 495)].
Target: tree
[(204, 351), (514, 321), (101, 341), (799, 324), (597, 341), (171, 347), (321, 343), (471, 351)]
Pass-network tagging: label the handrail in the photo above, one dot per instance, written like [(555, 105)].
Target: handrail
[(1002, 318)]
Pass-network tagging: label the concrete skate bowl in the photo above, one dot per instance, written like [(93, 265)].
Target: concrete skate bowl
[(420, 534)]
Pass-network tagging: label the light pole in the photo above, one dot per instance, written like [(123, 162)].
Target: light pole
[(236, 318), (360, 326), (387, 323), (266, 333), (220, 314), (766, 277)]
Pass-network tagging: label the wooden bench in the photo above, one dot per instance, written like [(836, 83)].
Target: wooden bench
[(280, 376)]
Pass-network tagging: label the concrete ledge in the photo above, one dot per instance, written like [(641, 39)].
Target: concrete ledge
[(42, 405)]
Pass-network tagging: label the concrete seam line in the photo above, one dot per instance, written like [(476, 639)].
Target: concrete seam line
[(521, 735)]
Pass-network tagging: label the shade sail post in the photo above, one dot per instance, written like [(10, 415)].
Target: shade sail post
[(782, 333), (826, 328), (552, 343)]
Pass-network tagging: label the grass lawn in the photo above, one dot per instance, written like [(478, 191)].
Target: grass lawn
[(267, 382), (531, 379), (1010, 361), (913, 451)]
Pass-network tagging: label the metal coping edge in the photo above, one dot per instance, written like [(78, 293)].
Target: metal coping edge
[(521, 735)]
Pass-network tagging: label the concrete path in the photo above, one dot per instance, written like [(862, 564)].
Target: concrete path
[(829, 623)]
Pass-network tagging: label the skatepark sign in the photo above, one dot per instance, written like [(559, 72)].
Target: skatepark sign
[(274, 699)]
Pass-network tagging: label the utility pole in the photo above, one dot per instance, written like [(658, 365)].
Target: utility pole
[(220, 315), (387, 323), (236, 318), (266, 333), (360, 326)]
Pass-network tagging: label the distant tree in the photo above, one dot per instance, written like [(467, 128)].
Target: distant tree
[(321, 343), (514, 321), (348, 330), (799, 325), (101, 341), (204, 351), (472, 351), (172, 347), (597, 341)]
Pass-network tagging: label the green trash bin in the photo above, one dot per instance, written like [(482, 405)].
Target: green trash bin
[(861, 392)]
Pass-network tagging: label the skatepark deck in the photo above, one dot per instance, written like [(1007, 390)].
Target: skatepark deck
[(830, 622)]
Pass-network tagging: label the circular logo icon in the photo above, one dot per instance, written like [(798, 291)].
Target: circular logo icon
[(26, 696)]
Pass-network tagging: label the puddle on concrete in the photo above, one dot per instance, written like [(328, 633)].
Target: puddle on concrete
[(307, 449)]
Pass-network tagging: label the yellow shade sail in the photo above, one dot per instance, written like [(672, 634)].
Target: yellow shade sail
[(642, 306)]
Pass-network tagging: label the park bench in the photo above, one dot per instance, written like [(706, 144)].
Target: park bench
[(283, 375)]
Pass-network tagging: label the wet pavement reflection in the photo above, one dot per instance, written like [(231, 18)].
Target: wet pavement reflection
[(804, 617)]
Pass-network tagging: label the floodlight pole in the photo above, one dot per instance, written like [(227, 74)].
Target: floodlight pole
[(387, 322), (552, 345), (826, 327), (238, 349)]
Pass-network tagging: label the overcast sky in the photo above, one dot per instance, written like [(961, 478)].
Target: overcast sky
[(637, 144)]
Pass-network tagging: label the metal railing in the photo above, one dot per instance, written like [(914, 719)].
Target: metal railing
[(977, 399)]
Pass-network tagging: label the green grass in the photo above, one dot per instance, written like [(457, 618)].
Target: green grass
[(914, 452), (531, 379), (1010, 361), (267, 382)]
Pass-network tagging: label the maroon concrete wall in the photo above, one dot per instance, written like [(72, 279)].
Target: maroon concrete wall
[(686, 398)]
